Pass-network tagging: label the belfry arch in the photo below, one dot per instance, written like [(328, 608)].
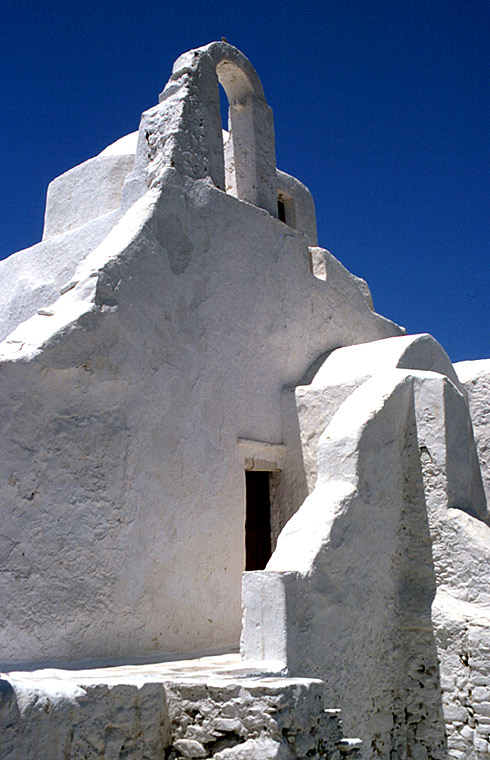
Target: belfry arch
[(184, 131), (250, 120)]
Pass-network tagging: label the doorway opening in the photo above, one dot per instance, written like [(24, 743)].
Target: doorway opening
[(258, 519)]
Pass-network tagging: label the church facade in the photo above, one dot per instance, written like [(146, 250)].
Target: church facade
[(211, 441)]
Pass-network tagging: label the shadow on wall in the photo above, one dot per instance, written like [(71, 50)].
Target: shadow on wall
[(418, 721), (292, 487)]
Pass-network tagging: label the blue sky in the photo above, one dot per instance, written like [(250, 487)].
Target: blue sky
[(381, 108)]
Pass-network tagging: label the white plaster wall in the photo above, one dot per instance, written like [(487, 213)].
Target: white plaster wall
[(81, 208), (304, 217), (86, 192), (123, 401), (33, 278), (380, 580), (346, 563), (300, 434), (123, 486), (346, 369)]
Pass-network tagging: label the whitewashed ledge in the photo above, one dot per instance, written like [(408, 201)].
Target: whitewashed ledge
[(212, 707)]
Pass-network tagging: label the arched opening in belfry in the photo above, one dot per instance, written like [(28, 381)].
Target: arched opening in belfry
[(228, 152), (224, 106), (237, 121)]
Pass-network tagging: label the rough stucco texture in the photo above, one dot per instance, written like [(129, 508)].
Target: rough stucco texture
[(123, 487)]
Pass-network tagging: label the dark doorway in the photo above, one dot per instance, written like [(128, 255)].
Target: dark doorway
[(258, 520)]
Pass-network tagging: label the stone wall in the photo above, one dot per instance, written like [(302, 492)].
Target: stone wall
[(120, 715)]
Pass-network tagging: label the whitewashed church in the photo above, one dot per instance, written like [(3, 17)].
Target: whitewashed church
[(243, 516)]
